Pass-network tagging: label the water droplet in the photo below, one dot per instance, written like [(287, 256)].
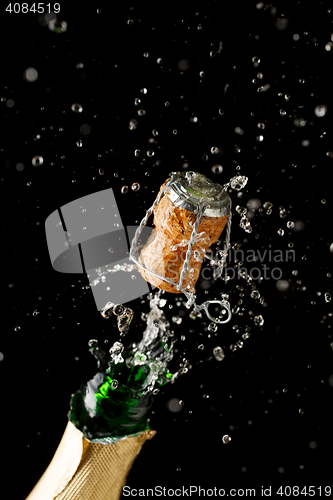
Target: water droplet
[(92, 342), (255, 294), (218, 353), (137, 101), (280, 232), (137, 152), (76, 107), (290, 224), (141, 112), (258, 320), (150, 153), (256, 60), (320, 110), (57, 26), (79, 143), (114, 384), (282, 285), (226, 439), (177, 319), (201, 347), (283, 112), (135, 186), (124, 189), (132, 124), (30, 74), (214, 150), (221, 111), (17, 328), (183, 65), (217, 169), (328, 297), (37, 161), (118, 309), (238, 182)]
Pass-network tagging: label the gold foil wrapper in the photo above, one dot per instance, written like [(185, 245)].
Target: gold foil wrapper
[(81, 470)]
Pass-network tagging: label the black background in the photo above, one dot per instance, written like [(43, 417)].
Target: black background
[(99, 62)]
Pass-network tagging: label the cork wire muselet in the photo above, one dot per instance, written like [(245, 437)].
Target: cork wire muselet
[(190, 213)]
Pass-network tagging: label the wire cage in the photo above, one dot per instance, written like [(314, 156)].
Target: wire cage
[(199, 210)]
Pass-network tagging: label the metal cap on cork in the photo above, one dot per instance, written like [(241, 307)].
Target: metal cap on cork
[(190, 189)]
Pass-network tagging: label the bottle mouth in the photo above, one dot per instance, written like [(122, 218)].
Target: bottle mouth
[(189, 190)]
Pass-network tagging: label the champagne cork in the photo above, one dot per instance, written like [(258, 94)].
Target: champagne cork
[(165, 251)]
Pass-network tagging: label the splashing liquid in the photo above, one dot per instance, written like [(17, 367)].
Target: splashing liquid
[(115, 403)]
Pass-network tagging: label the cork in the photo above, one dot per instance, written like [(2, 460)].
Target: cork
[(165, 251)]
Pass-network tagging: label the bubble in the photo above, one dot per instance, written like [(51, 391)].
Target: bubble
[(150, 153), (137, 101), (124, 189), (30, 75), (214, 150), (321, 110), (261, 125), (280, 232), (290, 224), (1, 356), (221, 111), (218, 353), (201, 347), (10, 103), (144, 90), (328, 297), (135, 186), (226, 439), (283, 112), (141, 112), (137, 152), (37, 161), (76, 107), (114, 384), (256, 60), (331, 247), (20, 167), (79, 143)]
